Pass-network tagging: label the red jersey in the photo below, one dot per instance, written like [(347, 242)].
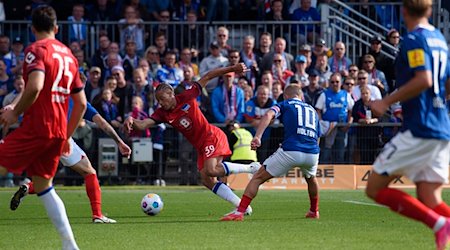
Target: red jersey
[(187, 117), (47, 116)]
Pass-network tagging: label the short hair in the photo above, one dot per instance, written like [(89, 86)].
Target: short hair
[(417, 8), (43, 18), (265, 33), (293, 90)]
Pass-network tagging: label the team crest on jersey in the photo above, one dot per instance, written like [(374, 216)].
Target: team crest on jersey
[(186, 107), (29, 58), (249, 109), (416, 58)]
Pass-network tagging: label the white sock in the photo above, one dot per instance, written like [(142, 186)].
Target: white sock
[(224, 192), (236, 168), (57, 214), (439, 223)]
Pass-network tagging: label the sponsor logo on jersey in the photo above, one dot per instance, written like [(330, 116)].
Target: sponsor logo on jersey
[(416, 58)]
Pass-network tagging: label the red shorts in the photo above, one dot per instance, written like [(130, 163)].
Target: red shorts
[(36, 155), (215, 144)]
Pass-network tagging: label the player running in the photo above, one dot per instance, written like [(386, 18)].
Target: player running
[(182, 112), (299, 149), (421, 150), (79, 162), (51, 75)]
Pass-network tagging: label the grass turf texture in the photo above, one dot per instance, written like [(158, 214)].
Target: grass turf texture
[(190, 220)]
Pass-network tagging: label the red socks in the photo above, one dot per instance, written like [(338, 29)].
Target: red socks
[(94, 194), (442, 209), (31, 188), (245, 202), (314, 201), (407, 205)]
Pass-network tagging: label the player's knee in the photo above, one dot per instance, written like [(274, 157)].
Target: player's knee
[(371, 193)]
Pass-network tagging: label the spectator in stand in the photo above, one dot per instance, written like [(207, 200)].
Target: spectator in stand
[(143, 63), (193, 37), (163, 26), (376, 77), (312, 92), (227, 101), (161, 45), (382, 60), (305, 33), (14, 59), (130, 60), (131, 27), (153, 59), (93, 87), (113, 59), (143, 13), (249, 58), (142, 88), (155, 7), (363, 81), (339, 62), (104, 11), (169, 73), (222, 35), (367, 136), (217, 10), (393, 38), (186, 60), (213, 61), (6, 82), (101, 53), (114, 47), (352, 155), (4, 45), (265, 44), (138, 112), (108, 109), (182, 8), (124, 91), (242, 82), (255, 109), (83, 65), (279, 72), (324, 70), (305, 50), (276, 14), (353, 71), (300, 73), (349, 86), (234, 57), (335, 105), (319, 48), (19, 86), (267, 80), (78, 30), (248, 93), (277, 91), (280, 47)]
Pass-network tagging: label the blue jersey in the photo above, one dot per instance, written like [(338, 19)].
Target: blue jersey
[(90, 111), (301, 126), (425, 115)]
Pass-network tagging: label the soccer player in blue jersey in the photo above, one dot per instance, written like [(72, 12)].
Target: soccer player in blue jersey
[(299, 149), (421, 150), (79, 162)]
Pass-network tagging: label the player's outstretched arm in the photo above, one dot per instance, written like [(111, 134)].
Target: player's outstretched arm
[(263, 123), (131, 123), (79, 107), (124, 149), (238, 68)]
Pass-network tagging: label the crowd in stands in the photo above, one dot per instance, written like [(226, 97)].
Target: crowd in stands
[(122, 74)]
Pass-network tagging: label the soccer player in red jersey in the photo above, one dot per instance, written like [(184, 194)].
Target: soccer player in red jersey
[(51, 75), (182, 112)]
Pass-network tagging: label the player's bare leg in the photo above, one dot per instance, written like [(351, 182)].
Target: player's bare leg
[(85, 169), (313, 192), (406, 205), (55, 210), (250, 192)]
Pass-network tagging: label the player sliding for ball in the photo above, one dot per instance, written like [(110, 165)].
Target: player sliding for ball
[(182, 112)]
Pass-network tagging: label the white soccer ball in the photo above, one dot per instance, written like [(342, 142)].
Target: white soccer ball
[(152, 204)]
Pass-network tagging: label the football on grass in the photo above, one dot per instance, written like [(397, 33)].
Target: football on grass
[(152, 204)]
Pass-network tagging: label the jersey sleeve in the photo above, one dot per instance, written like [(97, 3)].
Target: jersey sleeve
[(90, 112), (416, 55), (158, 116), (77, 84), (277, 109), (191, 93), (34, 59)]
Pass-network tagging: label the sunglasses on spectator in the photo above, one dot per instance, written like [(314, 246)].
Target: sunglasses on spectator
[(368, 61), (334, 81), (349, 84), (276, 60), (362, 78), (221, 35)]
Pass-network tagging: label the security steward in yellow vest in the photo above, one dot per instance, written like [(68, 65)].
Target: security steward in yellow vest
[(240, 140)]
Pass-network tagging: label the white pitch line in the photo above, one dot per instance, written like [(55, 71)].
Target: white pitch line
[(364, 203)]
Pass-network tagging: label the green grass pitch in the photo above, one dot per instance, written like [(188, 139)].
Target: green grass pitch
[(190, 220)]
